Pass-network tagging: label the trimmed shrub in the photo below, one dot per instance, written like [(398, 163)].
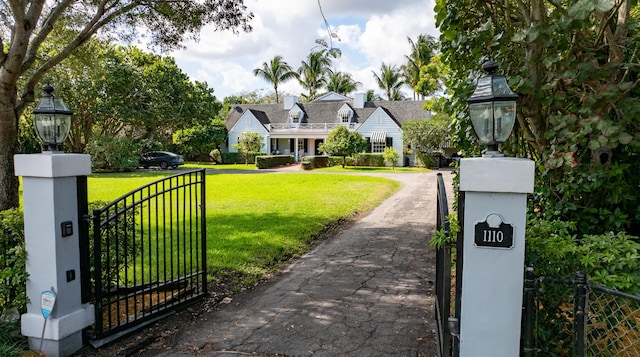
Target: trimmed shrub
[(368, 159), (113, 154), (267, 162), (236, 157), (318, 161), (306, 165)]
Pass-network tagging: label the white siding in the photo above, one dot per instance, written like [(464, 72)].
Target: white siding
[(380, 121), (248, 123)]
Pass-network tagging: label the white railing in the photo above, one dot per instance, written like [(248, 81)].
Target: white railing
[(316, 127)]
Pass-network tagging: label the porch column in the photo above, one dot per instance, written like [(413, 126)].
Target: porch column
[(295, 148), (50, 196)]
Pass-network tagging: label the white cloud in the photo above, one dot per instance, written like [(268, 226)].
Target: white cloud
[(370, 32)]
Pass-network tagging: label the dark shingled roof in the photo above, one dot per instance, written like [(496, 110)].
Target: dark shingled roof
[(327, 111)]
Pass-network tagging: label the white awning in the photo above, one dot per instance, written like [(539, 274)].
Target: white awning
[(378, 137)]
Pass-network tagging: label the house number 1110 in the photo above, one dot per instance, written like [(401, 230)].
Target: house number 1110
[(493, 236), (498, 236)]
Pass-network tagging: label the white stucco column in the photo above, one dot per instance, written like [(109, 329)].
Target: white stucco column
[(53, 258), (495, 208)]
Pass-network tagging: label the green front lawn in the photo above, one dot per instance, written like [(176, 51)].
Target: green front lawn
[(256, 222), (373, 169), (213, 166)]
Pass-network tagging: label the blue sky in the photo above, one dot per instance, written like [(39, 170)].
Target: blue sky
[(369, 32)]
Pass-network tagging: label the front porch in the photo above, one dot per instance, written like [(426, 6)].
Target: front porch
[(296, 146)]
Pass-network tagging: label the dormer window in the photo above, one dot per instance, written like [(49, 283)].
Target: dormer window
[(345, 114), (294, 115)]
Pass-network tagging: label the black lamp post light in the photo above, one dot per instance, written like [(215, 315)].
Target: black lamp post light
[(492, 108), (52, 120)]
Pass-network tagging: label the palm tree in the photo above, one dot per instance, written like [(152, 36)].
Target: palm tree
[(341, 83), (389, 80), (421, 52), (275, 72), (312, 74)]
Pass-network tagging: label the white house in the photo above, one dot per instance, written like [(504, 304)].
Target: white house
[(298, 129)]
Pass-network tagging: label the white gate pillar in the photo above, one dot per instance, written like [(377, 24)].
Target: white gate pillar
[(495, 206), (53, 258)]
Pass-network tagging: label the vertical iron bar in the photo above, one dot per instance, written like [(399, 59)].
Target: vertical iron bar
[(579, 313), (157, 265), (203, 229), (528, 347)]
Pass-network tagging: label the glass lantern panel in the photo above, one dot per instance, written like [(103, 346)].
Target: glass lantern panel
[(500, 86), (46, 103), (483, 87), (60, 105), (480, 114), (505, 117), (52, 128)]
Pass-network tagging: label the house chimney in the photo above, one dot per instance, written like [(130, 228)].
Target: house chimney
[(290, 101), (359, 99)]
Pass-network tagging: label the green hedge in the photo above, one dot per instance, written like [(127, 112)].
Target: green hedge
[(368, 159), (555, 251), (267, 162), (318, 161), (236, 157)]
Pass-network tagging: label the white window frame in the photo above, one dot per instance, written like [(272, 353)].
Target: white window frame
[(378, 148)]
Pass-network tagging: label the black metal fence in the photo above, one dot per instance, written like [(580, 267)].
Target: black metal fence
[(593, 321), (586, 319), (147, 255)]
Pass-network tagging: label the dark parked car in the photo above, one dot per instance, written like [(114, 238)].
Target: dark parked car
[(164, 159)]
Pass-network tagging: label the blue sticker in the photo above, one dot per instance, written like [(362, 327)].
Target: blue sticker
[(47, 301)]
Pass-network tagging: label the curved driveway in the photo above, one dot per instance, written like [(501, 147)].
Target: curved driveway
[(368, 291)]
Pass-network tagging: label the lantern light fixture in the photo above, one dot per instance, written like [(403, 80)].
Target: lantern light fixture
[(492, 109), (52, 120)]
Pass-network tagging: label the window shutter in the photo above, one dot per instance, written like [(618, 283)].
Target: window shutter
[(389, 141), (368, 144), (292, 145), (305, 145)]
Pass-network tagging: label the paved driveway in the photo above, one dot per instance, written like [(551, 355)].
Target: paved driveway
[(368, 291)]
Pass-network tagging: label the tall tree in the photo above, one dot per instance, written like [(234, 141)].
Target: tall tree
[(312, 73), (275, 72), (389, 80), (342, 142), (123, 91), (431, 77), (421, 52), (341, 82), (574, 65), (29, 25)]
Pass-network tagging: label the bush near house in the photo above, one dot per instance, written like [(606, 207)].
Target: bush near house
[(113, 154), (237, 158), (316, 162), (267, 162), (368, 159)]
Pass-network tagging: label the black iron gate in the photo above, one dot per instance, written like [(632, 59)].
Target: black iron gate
[(147, 254), (448, 259)]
